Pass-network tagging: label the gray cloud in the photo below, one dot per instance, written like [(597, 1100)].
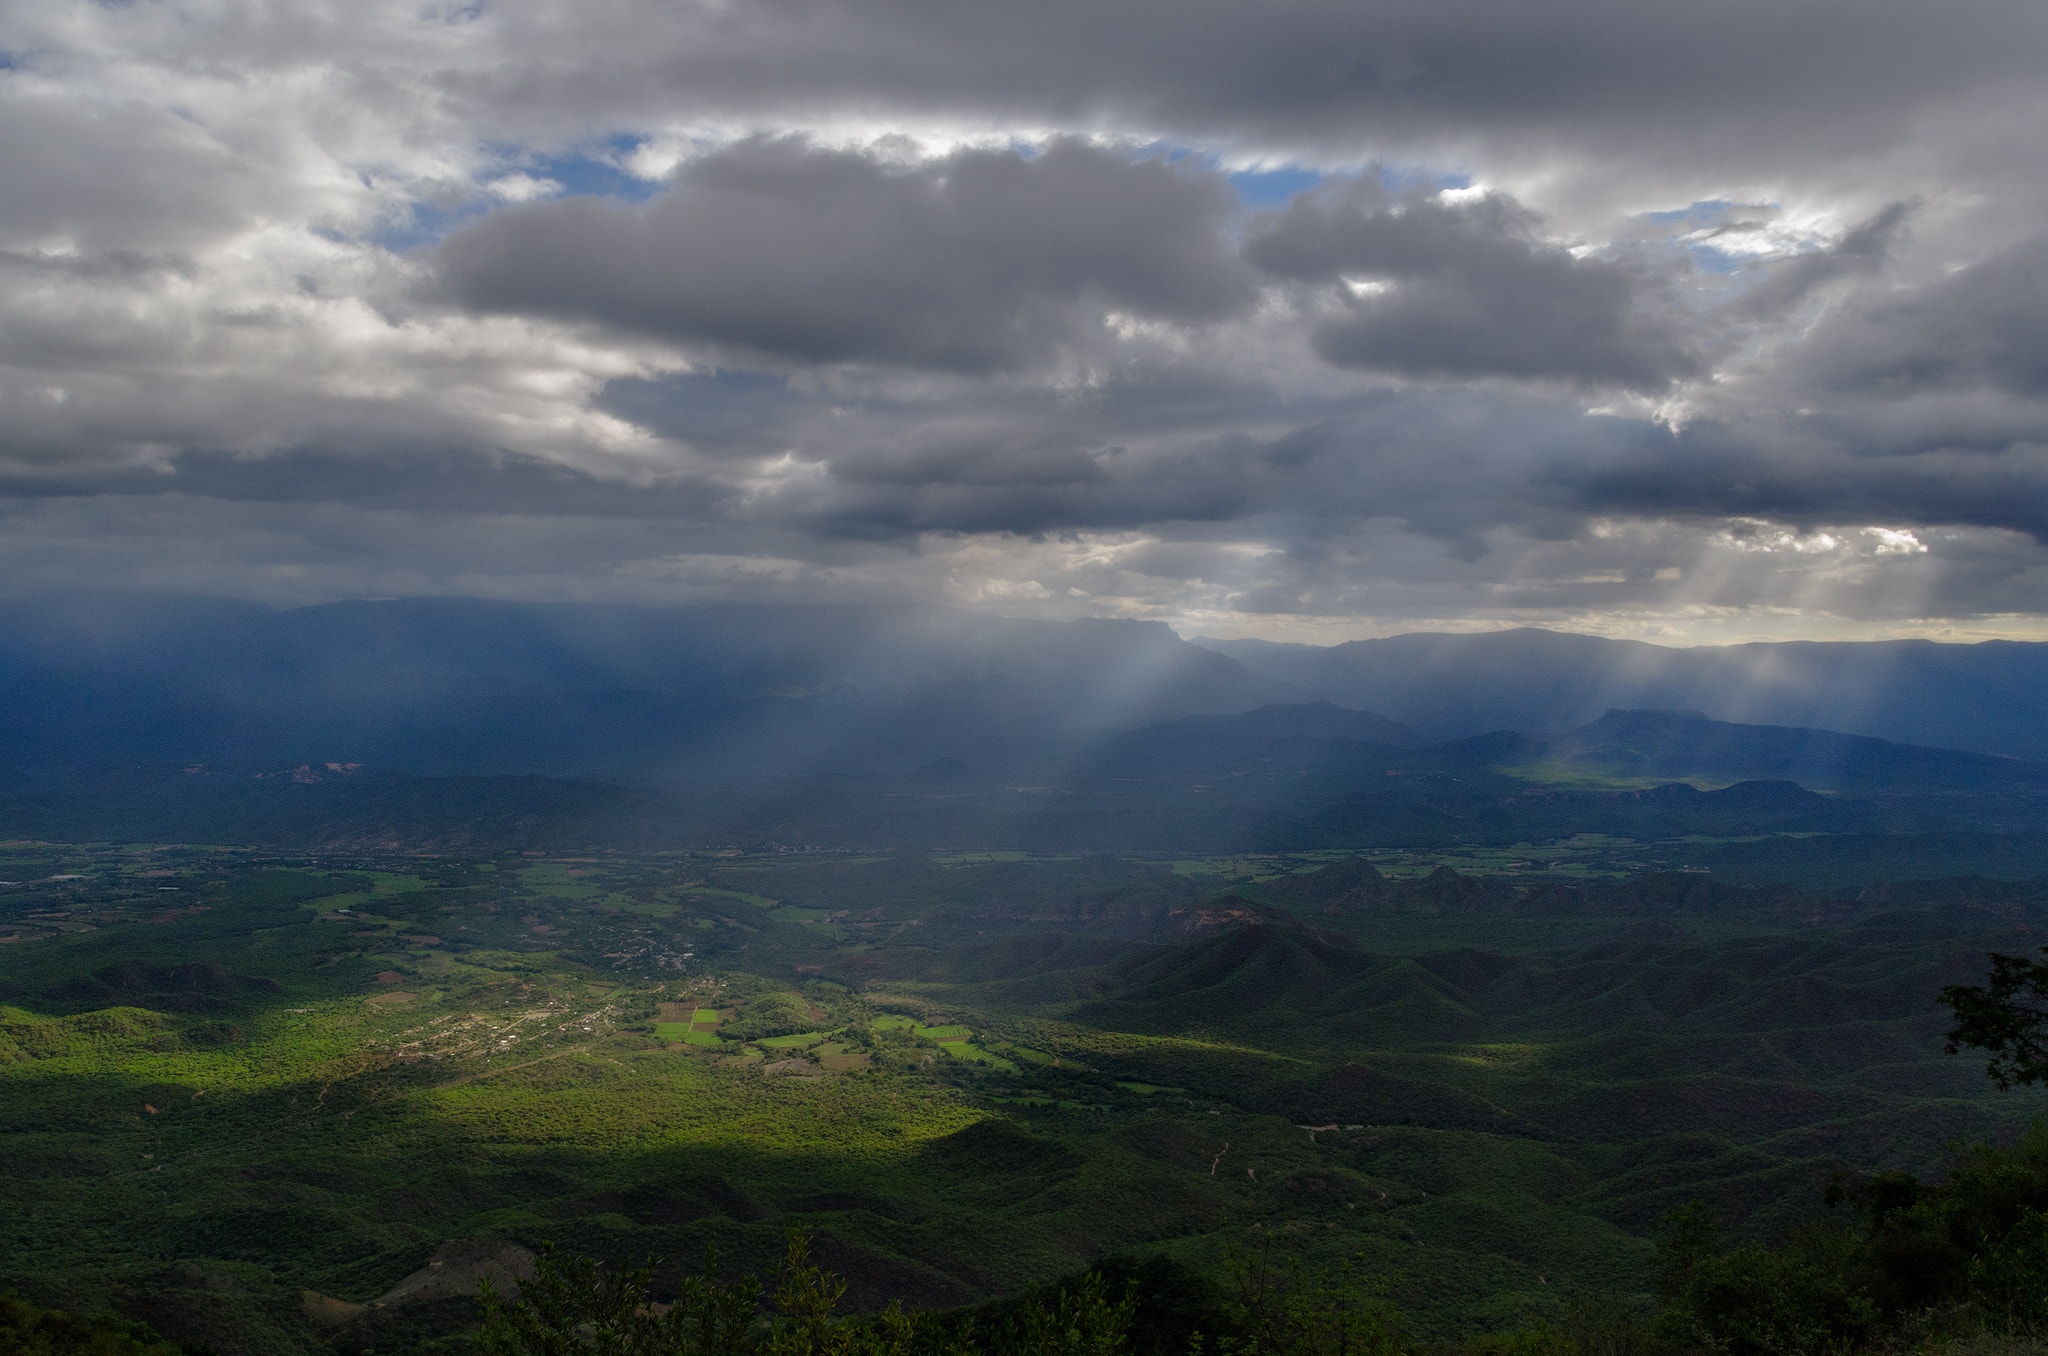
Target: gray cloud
[(979, 260), (1796, 475), (824, 361), (107, 177), (1468, 289), (1860, 252), (1983, 325), (1752, 79)]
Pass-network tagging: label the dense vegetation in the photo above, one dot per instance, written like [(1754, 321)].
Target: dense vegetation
[(27, 1330), (249, 1101)]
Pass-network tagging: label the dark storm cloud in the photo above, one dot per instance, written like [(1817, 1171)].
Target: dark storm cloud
[(1432, 288), (980, 260), (1820, 75), (413, 479), (1800, 473), (1985, 325), (1447, 464), (987, 260), (1451, 466)]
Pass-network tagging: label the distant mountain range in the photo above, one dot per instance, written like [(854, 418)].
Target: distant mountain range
[(1990, 697), (482, 726), (653, 695), (450, 686)]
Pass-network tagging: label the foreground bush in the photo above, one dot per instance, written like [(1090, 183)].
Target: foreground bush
[(26, 1330), (573, 1307), (1973, 1247)]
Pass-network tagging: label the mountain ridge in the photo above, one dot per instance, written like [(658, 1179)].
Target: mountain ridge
[(1986, 696)]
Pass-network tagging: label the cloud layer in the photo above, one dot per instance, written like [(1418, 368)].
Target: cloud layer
[(1664, 322), (975, 261)]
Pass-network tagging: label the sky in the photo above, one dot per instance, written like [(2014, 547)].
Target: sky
[(1303, 319)]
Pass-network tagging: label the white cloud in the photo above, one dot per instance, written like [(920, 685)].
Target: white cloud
[(521, 187)]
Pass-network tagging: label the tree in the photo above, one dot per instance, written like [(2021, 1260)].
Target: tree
[(572, 1307), (2008, 1017), (1287, 1310), (26, 1330)]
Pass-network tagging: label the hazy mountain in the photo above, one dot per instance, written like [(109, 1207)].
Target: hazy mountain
[(463, 686), (1321, 739), (1685, 744), (1277, 778), (425, 721), (1990, 697)]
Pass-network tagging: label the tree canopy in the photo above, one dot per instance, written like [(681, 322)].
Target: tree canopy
[(2006, 1017)]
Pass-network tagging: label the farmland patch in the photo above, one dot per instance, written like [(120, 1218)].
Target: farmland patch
[(795, 1042)]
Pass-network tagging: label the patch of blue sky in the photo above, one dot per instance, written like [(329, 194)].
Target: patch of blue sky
[(426, 224), (592, 171), (1271, 188), (1707, 212), (1705, 230), (1276, 187), (1710, 259)]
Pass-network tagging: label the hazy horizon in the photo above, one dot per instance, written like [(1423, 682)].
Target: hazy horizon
[(1294, 630)]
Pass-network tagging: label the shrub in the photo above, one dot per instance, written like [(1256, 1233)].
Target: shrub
[(2011, 1277), (1539, 1339), (1762, 1302), (26, 1330), (572, 1307)]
